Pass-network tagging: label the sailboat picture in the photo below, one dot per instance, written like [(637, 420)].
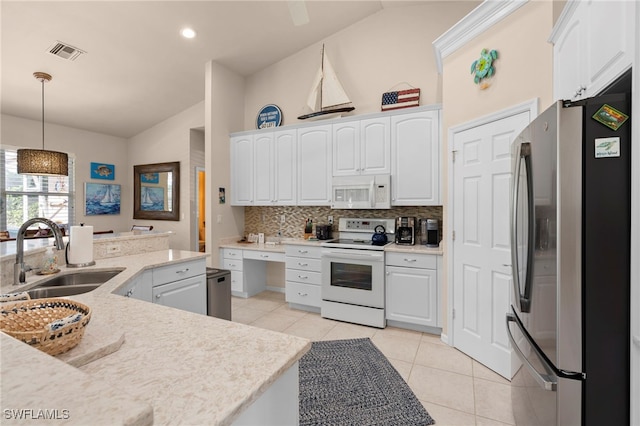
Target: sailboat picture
[(101, 199), (152, 198), (327, 98)]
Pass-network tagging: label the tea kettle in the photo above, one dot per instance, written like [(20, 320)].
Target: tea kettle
[(380, 236)]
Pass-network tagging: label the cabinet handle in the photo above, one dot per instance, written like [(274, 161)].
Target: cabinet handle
[(303, 264), (158, 296), (410, 260), (264, 256), (303, 277), (182, 271), (129, 293), (303, 251), (302, 294)]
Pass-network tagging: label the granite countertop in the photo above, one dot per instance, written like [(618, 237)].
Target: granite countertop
[(189, 368)]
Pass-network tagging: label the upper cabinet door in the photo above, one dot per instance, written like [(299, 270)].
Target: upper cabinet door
[(593, 45), (375, 146), (242, 170), (362, 147), (415, 159), (314, 166), (346, 148), (263, 181), (284, 167)]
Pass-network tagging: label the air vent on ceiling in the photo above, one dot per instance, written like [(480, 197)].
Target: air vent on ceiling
[(65, 51)]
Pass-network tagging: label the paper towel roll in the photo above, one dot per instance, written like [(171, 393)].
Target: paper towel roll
[(80, 245)]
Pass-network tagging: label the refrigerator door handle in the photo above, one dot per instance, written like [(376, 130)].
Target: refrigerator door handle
[(523, 154), (547, 381)]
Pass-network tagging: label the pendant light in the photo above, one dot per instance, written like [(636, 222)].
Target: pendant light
[(40, 161)]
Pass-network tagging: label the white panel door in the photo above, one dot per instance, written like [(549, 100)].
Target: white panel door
[(375, 146), (481, 248), (242, 170)]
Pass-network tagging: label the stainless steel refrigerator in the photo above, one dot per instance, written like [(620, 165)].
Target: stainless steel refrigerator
[(570, 233)]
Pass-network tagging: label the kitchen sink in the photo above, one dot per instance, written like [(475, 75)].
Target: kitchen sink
[(72, 283)]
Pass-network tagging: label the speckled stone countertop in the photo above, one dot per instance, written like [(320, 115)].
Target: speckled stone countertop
[(190, 368), (233, 243)]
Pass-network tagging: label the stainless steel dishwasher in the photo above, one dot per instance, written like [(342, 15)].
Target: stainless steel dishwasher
[(219, 293)]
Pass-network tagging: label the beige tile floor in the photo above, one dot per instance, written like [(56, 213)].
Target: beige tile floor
[(455, 389)]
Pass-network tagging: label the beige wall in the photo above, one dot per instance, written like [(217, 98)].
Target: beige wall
[(224, 113), (376, 55), (169, 140), (523, 72), (86, 147)]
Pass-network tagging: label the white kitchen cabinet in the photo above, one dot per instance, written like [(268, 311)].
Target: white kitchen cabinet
[(412, 291), (362, 147), (189, 294), (274, 181), (284, 167), (139, 287), (415, 159), (232, 260), (314, 165), (242, 169), (303, 276), (263, 178), (593, 45), (181, 285)]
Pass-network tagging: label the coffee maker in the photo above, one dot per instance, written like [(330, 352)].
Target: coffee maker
[(405, 230), (429, 232)]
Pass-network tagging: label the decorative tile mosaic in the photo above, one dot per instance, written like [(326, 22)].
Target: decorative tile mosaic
[(267, 218)]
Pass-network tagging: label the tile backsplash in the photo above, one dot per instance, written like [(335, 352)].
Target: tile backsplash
[(267, 218)]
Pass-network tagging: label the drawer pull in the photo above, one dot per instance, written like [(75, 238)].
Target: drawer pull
[(303, 251), (302, 264), (410, 260), (303, 294), (264, 255), (303, 277), (183, 271)]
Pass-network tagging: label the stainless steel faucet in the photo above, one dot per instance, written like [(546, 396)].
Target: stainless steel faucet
[(20, 269)]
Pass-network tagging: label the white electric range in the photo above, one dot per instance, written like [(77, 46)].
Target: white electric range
[(353, 272)]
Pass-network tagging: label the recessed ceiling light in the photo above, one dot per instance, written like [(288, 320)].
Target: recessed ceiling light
[(187, 33)]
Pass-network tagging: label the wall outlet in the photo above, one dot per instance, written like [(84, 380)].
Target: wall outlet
[(282, 219), (330, 219), (113, 248)]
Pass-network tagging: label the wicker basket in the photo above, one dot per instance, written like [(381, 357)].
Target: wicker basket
[(32, 322)]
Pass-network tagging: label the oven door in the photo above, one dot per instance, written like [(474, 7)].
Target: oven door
[(353, 276)]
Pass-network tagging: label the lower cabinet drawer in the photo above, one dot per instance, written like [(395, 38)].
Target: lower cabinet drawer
[(306, 277), (178, 271), (303, 294), (304, 264), (411, 260), (232, 264)]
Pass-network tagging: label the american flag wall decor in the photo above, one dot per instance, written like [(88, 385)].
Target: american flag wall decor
[(400, 99)]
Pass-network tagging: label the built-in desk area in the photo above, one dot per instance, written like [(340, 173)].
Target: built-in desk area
[(248, 263)]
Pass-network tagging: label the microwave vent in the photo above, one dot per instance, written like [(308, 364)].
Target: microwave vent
[(65, 51)]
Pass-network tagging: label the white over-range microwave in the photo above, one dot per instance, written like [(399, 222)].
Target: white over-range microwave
[(361, 192)]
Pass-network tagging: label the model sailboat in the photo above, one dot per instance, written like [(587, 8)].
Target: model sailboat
[(327, 96)]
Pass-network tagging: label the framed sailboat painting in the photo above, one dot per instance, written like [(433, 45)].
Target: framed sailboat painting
[(101, 199)]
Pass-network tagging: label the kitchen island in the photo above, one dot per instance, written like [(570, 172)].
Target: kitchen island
[(186, 368)]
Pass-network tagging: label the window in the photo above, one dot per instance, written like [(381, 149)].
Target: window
[(25, 196)]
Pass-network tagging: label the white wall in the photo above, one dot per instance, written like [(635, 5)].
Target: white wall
[(85, 147), (166, 142)]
